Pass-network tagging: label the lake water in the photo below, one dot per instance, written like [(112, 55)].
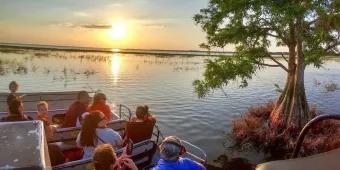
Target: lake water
[(165, 84)]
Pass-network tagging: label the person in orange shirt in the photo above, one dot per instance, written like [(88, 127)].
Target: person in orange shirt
[(99, 103)]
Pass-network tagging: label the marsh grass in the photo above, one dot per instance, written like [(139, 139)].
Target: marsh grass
[(331, 86), (252, 131)]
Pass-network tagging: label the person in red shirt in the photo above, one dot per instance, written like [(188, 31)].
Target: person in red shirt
[(99, 104), (76, 109), (140, 128), (143, 115)]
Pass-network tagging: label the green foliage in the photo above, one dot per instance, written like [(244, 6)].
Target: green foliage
[(251, 25), (219, 72)]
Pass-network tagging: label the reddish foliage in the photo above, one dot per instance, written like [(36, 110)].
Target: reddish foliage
[(253, 128)]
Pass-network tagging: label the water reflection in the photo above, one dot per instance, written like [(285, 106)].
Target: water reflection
[(115, 67)]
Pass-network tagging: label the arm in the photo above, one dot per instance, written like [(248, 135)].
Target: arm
[(78, 141)]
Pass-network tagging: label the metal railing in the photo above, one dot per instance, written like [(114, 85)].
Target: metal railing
[(201, 151), (306, 128), (120, 111), (158, 134), (33, 112)]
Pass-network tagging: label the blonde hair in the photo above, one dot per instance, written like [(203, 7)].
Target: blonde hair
[(42, 103)]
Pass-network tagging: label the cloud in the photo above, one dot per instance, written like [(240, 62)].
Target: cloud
[(65, 24), (94, 26), (156, 26), (80, 14)]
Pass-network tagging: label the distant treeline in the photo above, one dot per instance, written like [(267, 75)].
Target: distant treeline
[(127, 51)]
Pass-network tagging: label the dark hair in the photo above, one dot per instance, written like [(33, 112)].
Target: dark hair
[(12, 83), (14, 105), (104, 156), (97, 97), (82, 94), (142, 111), (88, 136)]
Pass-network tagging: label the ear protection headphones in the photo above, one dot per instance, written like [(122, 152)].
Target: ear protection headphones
[(178, 144)]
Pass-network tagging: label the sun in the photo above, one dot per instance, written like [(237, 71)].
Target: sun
[(118, 31)]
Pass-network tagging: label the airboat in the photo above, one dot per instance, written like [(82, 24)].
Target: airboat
[(24, 145)]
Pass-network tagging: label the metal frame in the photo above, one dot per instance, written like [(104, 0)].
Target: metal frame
[(33, 112), (306, 128), (120, 111), (158, 134), (202, 160)]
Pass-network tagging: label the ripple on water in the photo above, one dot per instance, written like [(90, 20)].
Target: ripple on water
[(166, 86)]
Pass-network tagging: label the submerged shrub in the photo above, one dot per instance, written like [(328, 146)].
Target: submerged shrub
[(253, 129)]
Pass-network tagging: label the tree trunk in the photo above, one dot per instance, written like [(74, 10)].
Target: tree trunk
[(291, 111)]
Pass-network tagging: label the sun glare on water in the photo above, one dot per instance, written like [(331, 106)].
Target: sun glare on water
[(118, 31)]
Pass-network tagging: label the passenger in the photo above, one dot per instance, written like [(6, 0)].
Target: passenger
[(56, 155), (140, 127), (99, 103), (94, 132), (148, 117), (81, 119), (13, 88), (76, 109), (42, 114), (171, 150), (143, 115), (16, 111), (104, 158)]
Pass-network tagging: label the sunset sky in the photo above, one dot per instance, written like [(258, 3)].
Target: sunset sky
[(143, 24)]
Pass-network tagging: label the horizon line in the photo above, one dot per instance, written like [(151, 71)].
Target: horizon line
[(117, 50)]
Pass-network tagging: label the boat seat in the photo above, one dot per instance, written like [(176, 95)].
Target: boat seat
[(139, 131), (142, 155), (55, 99), (70, 134), (326, 160), (68, 145)]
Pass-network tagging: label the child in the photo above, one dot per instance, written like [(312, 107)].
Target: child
[(13, 88), (42, 115)]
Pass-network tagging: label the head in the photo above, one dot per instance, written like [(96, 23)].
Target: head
[(141, 112), (13, 86), (88, 136), (83, 97), (82, 117), (99, 98), (16, 107), (104, 158), (42, 107), (171, 148)]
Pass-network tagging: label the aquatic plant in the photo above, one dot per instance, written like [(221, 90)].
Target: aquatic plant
[(253, 128), (331, 86)]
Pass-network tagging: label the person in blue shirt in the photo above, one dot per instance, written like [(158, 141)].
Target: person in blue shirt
[(171, 150)]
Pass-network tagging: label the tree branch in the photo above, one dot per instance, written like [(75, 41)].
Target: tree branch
[(278, 63), (312, 22), (284, 57), (276, 36), (269, 65), (329, 47)]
